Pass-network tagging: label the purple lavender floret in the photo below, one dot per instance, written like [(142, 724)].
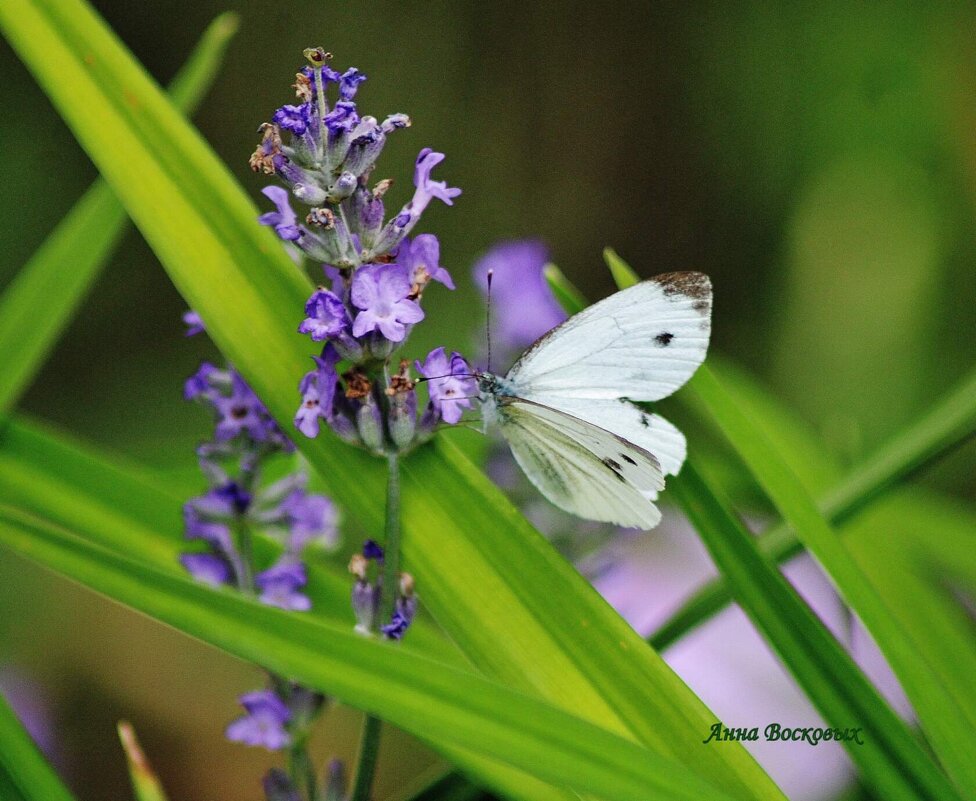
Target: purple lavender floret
[(264, 724), (451, 386), (278, 787), (318, 390), (311, 519), (193, 322), (296, 119), (380, 292), (280, 585), (349, 83), (201, 382), (284, 220), (420, 260), (373, 551), (326, 316), (403, 615)]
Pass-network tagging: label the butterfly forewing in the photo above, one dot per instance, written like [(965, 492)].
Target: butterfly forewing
[(642, 343)]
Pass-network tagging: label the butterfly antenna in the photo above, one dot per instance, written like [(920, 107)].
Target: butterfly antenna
[(491, 274)]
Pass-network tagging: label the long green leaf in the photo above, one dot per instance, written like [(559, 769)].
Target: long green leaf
[(418, 694), (24, 765), (517, 610), (58, 276), (944, 426), (933, 701), (889, 756)]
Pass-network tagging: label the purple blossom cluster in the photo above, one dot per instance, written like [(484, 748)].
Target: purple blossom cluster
[(375, 274), (223, 522)]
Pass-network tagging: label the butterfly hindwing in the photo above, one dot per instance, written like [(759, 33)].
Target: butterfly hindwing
[(581, 468), (643, 343)]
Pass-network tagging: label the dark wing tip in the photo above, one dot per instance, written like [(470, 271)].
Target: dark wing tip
[(697, 286)]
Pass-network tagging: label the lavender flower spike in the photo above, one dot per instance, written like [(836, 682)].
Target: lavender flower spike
[(264, 724), (284, 219), (380, 292)]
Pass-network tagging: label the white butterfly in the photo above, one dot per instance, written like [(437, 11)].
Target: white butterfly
[(565, 406)]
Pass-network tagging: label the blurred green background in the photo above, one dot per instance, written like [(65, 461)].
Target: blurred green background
[(817, 160)]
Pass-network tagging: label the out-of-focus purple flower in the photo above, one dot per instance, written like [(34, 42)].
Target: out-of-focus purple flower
[(284, 220), (325, 316), (241, 413), (406, 609), (523, 306), (280, 585), (372, 550), (318, 390), (200, 382), (193, 322), (32, 705), (420, 259), (278, 787), (451, 386), (380, 292), (311, 518), (207, 567), (198, 527), (264, 724)]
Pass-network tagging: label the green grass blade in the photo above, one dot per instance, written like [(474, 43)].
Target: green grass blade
[(623, 275), (567, 295), (517, 610), (26, 769), (58, 276), (944, 426), (420, 695), (938, 712), (890, 757), (145, 783)]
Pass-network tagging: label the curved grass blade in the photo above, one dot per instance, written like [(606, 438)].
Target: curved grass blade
[(58, 276), (417, 694), (25, 768), (889, 757), (516, 609)]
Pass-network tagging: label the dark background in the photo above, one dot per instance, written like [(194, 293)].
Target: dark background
[(817, 160)]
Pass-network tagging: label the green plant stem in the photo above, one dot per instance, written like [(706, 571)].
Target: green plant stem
[(300, 769), (245, 545), (369, 750), (369, 744)]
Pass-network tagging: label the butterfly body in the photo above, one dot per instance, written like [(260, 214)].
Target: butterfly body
[(566, 406)]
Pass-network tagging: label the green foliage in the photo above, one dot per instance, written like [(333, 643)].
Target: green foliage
[(512, 604)]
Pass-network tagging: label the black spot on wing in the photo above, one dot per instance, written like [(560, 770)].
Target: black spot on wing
[(664, 339), (626, 458), (614, 468), (645, 420)]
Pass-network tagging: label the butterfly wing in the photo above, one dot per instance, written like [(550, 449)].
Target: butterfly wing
[(642, 343), (581, 468)]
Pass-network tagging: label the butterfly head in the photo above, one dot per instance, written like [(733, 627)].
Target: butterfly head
[(493, 386)]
